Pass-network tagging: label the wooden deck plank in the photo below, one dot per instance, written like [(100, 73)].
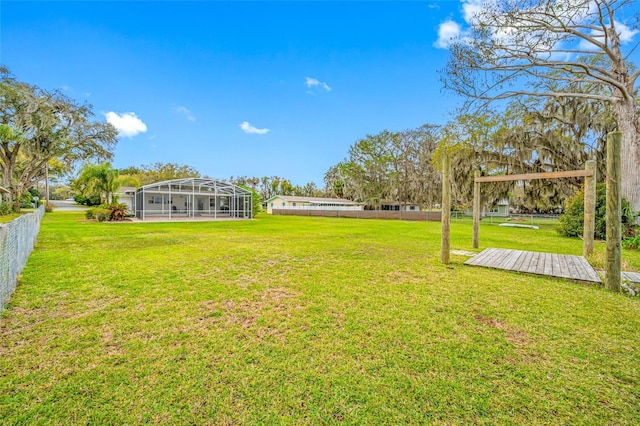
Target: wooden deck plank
[(479, 258), (541, 262), (588, 273), (513, 259), (634, 277), (500, 260), (564, 268), (555, 264), (578, 266), (548, 264), (524, 256), (571, 267), (526, 262), (533, 266), (584, 269), (496, 258)]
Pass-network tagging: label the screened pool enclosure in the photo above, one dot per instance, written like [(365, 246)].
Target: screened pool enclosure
[(192, 198)]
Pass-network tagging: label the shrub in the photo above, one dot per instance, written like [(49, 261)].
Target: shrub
[(632, 242), (80, 199), (256, 201), (572, 221), (26, 200), (5, 208), (48, 207), (110, 212), (117, 211), (101, 214), (94, 200)]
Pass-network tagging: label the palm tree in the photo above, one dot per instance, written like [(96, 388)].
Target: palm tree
[(101, 179)]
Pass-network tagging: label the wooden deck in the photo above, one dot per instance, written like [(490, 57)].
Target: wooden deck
[(555, 265), (633, 277)]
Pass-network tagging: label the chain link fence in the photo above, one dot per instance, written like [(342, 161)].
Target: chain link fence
[(17, 239)]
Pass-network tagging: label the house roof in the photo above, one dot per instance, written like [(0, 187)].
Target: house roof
[(197, 185), (313, 200), (127, 190), (397, 203)]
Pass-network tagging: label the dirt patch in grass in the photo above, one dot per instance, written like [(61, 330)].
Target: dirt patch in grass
[(513, 336), (277, 301), (264, 318)]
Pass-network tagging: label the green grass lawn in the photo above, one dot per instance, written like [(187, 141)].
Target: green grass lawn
[(300, 320)]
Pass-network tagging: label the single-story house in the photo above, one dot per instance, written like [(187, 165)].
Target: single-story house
[(397, 206), (310, 203), (501, 209), (126, 195), (191, 198)]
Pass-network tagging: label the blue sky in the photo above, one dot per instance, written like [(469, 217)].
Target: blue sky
[(238, 88)]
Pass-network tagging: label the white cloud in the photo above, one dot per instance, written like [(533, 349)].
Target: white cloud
[(249, 129), (314, 82), (626, 34), (448, 32), (185, 111), (127, 123), (470, 8)]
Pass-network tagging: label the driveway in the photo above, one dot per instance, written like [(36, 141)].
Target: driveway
[(65, 205)]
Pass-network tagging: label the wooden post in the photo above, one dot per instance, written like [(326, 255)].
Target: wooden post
[(476, 210), (589, 208), (614, 212), (445, 246)]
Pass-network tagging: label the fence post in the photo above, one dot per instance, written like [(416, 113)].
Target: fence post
[(614, 212), (589, 208), (445, 246)]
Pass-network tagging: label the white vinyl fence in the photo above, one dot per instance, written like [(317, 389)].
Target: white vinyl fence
[(323, 208), (17, 239)]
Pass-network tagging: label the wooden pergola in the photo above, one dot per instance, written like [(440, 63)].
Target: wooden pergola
[(590, 175), (613, 264)]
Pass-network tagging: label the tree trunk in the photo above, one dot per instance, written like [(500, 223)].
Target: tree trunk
[(626, 117), (614, 216)]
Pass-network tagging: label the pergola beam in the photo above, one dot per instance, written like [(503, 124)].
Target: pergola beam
[(532, 176)]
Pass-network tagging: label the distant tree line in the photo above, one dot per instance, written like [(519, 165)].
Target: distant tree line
[(393, 166), (530, 135)]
